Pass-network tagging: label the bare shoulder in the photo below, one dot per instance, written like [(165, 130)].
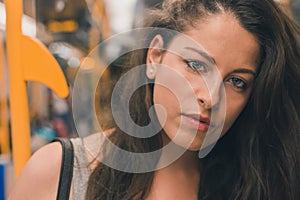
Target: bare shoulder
[(40, 176)]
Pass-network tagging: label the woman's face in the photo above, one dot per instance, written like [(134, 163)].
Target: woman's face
[(187, 86)]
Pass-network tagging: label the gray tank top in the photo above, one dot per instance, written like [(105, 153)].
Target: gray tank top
[(81, 170), (90, 145)]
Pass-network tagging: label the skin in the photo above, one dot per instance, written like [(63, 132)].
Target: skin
[(231, 47), (235, 53), (39, 178)]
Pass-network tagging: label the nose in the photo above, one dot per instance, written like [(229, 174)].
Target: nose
[(208, 93)]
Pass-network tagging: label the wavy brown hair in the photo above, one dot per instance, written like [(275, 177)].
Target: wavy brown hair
[(259, 157)]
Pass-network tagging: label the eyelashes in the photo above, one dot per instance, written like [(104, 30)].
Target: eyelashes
[(238, 83), (197, 66), (201, 67)]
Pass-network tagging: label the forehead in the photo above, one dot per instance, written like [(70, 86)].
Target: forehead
[(220, 36)]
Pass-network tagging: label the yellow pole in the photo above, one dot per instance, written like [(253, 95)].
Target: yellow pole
[(18, 93), (28, 60)]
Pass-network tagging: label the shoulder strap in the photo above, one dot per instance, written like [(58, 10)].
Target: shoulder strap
[(66, 169)]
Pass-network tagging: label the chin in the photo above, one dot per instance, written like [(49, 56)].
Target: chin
[(194, 146)]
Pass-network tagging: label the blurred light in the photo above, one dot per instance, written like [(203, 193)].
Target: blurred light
[(121, 14), (2, 17), (62, 26), (60, 5), (66, 51), (74, 62), (88, 63)]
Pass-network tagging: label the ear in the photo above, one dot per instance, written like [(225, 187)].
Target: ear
[(154, 56)]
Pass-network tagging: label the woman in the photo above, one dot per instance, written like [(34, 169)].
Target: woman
[(255, 48)]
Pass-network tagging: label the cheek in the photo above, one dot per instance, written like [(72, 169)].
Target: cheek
[(166, 102)]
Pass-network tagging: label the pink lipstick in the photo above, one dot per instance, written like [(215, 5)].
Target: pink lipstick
[(201, 123)]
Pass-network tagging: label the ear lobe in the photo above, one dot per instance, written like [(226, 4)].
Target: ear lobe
[(151, 71), (154, 56)]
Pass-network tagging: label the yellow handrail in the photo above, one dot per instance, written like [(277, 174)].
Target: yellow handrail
[(28, 60)]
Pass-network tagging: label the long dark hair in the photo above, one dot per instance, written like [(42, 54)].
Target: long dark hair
[(259, 157)]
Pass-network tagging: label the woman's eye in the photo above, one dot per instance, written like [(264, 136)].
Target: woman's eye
[(238, 83), (197, 66)]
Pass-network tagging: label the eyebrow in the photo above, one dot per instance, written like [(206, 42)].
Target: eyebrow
[(244, 71), (203, 54), (212, 61)]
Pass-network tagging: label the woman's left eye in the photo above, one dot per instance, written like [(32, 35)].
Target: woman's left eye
[(197, 66), (238, 83)]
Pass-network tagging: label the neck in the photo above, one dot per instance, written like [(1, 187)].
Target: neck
[(177, 157), (178, 180)]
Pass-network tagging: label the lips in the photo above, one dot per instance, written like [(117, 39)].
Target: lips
[(200, 118), (199, 122)]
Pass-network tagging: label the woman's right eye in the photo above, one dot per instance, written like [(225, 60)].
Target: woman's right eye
[(197, 66)]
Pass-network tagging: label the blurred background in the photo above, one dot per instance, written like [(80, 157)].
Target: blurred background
[(70, 29)]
